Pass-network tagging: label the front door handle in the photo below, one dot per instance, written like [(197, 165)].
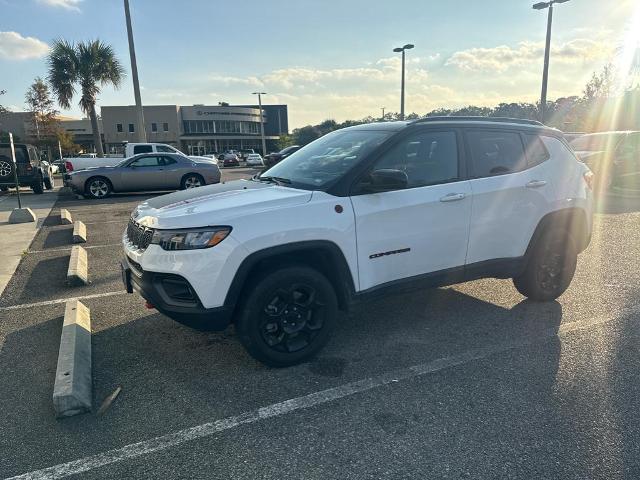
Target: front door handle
[(452, 197), (536, 183)]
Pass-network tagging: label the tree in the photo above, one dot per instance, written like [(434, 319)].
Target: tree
[(223, 104), (67, 145), (89, 65), (3, 109), (43, 112)]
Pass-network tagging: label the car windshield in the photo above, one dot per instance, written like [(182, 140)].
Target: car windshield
[(597, 142), (327, 159)]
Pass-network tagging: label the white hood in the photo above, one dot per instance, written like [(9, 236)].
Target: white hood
[(216, 204)]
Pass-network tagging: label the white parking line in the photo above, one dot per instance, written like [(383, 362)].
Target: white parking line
[(68, 249), (60, 300), (299, 403)]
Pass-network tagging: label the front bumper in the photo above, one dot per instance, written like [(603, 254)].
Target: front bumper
[(173, 296)]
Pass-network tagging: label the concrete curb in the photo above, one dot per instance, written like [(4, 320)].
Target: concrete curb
[(65, 217), (78, 271), (73, 389), (79, 232)]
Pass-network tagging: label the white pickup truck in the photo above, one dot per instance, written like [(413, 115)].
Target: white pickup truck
[(130, 149)]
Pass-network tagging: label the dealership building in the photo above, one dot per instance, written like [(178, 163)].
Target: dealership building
[(196, 129)]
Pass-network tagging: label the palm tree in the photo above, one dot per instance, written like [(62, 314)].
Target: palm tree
[(88, 65)]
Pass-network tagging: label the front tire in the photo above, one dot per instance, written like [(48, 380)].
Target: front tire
[(287, 316), (192, 180), (98, 187), (550, 268)]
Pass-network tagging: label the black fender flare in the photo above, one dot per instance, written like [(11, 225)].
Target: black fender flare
[(324, 255)]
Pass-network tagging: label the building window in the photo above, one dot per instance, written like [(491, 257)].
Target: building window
[(154, 127), (119, 127), (132, 128), (165, 127)]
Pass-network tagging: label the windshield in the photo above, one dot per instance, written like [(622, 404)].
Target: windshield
[(597, 143), (327, 159)]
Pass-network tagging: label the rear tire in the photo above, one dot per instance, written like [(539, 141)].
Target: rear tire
[(192, 180), (49, 183), (98, 187), (287, 316), (550, 268), (38, 187)]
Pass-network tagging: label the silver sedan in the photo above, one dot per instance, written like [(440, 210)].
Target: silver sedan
[(144, 172)]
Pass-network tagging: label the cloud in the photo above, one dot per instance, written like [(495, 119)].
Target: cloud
[(503, 57), (72, 5), (14, 46), (229, 80)]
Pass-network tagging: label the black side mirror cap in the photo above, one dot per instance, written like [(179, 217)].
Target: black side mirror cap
[(386, 179)]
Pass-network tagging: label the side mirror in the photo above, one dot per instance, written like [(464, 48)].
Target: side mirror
[(386, 179)]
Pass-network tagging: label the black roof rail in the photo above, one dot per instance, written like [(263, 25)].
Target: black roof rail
[(478, 119)]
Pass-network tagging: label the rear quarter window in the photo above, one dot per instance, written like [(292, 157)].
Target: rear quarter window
[(535, 150)]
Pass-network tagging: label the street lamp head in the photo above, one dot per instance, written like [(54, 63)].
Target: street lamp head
[(259, 93), (408, 46), (398, 50), (541, 5)]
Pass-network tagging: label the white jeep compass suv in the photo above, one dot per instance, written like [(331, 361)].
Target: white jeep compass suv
[(360, 212)]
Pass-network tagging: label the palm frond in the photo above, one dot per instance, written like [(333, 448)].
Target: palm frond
[(63, 71)]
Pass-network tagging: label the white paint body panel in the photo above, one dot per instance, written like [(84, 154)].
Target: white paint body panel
[(436, 232)]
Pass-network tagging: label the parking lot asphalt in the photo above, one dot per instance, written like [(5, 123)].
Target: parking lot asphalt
[(470, 381)]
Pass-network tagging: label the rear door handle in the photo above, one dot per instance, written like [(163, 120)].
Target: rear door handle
[(452, 197), (536, 184)]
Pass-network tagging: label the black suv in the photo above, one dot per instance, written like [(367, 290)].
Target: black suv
[(32, 172), (273, 158)]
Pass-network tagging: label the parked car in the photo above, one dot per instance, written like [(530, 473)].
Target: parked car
[(147, 171), (244, 153), (59, 164), (254, 160), (89, 160), (229, 160), (32, 171), (212, 156), (273, 158), (614, 157), (358, 213)]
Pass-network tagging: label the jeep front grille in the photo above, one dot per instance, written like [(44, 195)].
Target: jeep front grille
[(138, 235)]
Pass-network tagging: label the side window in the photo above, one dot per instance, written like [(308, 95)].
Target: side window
[(630, 148), (165, 127), (167, 160), (142, 149), (427, 158), (146, 162), (536, 151), (119, 127), (154, 127), (132, 128), (495, 153), (164, 149)]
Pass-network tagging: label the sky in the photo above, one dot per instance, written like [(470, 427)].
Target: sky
[(324, 58)]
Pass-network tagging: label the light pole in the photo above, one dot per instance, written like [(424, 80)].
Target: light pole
[(264, 145), (545, 71), (408, 46), (142, 132), (383, 113)]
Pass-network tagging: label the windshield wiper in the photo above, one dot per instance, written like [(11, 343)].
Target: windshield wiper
[(276, 180)]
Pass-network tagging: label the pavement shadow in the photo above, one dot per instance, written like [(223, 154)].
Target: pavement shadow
[(62, 237), (49, 274), (28, 360), (613, 205)]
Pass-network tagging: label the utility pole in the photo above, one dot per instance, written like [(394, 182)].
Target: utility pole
[(382, 113), (264, 143), (547, 53), (142, 132)]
